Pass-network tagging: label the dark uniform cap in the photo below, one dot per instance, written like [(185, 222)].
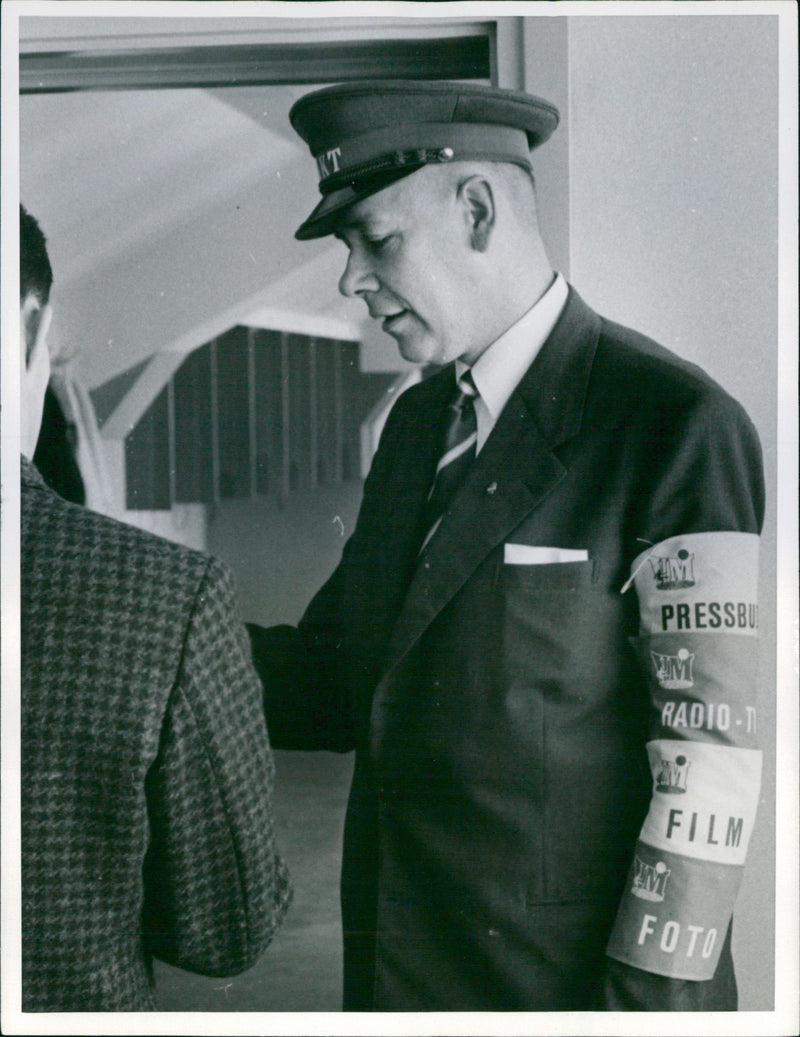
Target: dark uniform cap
[(368, 135)]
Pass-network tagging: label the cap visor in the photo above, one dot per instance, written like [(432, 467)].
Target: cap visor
[(330, 211)]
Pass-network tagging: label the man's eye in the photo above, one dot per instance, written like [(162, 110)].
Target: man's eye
[(376, 244)]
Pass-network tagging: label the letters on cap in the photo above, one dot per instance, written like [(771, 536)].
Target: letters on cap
[(368, 135)]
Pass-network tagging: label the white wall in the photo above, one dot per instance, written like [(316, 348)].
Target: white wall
[(532, 56)]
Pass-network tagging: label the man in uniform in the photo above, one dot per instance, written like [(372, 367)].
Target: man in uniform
[(539, 639)]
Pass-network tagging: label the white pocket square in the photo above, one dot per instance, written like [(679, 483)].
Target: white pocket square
[(526, 554)]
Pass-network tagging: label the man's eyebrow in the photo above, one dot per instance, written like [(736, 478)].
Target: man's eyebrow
[(343, 225), (354, 222), (366, 226)]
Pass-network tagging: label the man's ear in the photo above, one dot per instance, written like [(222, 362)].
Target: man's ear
[(35, 370), (476, 196), (35, 326), (35, 323)]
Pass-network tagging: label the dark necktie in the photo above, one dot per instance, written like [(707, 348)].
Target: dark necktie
[(459, 446)]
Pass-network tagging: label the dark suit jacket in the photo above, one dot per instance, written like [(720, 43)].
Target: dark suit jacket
[(498, 711), (147, 824)]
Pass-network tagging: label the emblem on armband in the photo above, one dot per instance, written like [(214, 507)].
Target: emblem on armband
[(673, 775), (673, 571), (674, 671), (649, 880)]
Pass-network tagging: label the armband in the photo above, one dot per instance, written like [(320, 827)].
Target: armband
[(698, 621)]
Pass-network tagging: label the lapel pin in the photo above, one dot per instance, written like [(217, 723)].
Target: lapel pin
[(491, 489)]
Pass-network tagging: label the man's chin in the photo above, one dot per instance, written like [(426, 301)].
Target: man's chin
[(414, 351)]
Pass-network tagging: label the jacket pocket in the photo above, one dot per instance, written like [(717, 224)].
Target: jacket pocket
[(532, 580), (547, 615)]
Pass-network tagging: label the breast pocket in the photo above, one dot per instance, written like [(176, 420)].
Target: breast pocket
[(544, 611), (551, 576)]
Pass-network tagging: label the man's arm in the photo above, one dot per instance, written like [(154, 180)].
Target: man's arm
[(303, 701), (697, 591), (215, 888)]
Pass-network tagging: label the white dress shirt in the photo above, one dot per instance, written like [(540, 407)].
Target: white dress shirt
[(499, 369)]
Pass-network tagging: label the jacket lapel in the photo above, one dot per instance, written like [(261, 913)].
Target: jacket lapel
[(516, 469)]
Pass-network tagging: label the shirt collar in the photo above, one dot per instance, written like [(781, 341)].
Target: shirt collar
[(499, 369)]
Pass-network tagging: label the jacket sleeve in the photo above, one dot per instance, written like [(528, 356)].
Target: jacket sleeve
[(305, 701), (216, 890), (697, 589)]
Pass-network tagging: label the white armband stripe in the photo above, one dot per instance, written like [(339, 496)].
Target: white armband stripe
[(705, 799), (691, 582)]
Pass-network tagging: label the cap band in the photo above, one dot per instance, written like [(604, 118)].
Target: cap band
[(366, 136), (416, 144)]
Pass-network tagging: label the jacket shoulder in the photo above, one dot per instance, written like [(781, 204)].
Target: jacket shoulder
[(695, 450), (641, 374), (75, 533), (77, 563)]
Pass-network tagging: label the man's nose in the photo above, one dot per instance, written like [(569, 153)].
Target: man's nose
[(358, 276)]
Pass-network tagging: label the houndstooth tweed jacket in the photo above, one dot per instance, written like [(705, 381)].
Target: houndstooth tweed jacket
[(147, 823)]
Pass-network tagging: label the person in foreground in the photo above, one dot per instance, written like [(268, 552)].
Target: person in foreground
[(540, 637), (147, 824)]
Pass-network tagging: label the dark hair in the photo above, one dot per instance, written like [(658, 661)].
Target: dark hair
[(35, 272)]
